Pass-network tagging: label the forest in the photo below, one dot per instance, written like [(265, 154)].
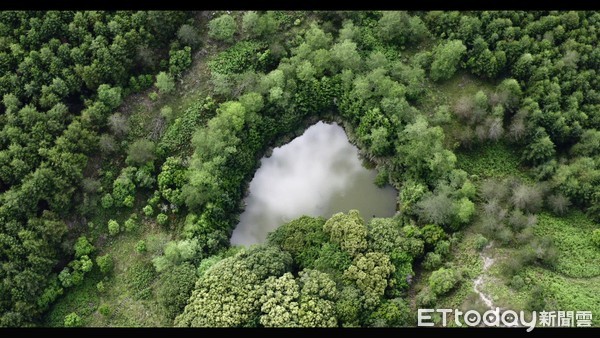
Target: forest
[(128, 141)]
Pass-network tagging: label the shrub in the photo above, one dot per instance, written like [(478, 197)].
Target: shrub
[(162, 219), (432, 261), (175, 288), (139, 280), (100, 286), (113, 227), (167, 113), (72, 320), (250, 23), (426, 298), (164, 83), (559, 203), (83, 247), (129, 201), (526, 197), (105, 310), (141, 246), (107, 201), (105, 263), (131, 223), (148, 210), (480, 242), (596, 237), (537, 300), (517, 282), (442, 281), (140, 152)]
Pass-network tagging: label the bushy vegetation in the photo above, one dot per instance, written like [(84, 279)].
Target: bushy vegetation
[(79, 172)]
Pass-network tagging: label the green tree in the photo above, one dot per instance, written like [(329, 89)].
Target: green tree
[(370, 273), (465, 209), (189, 35), (345, 55), (421, 154), (179, 61), (131, 223), (347, 230), (113, 227), (228, 294), (401, 28), (280, 306), (83, 247), (302, 238), (540, 150), (446, 59), (222, 28), (391, 313)]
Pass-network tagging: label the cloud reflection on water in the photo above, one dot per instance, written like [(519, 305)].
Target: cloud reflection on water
[(317, 174)]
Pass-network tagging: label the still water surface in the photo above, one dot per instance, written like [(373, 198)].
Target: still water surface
[(316, 174)]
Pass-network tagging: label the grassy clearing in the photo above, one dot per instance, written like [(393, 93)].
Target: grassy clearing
[(572, 285), (568, 294), (447, 92), (572, 236), (129, 289), (497, 160)]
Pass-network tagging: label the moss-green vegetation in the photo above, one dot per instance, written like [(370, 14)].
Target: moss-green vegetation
[(572, 236), (495, 160)]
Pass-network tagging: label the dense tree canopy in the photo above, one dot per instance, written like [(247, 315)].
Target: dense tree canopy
[(401, 83)]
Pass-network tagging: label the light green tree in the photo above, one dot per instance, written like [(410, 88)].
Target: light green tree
[(370, 273), (347, 230)]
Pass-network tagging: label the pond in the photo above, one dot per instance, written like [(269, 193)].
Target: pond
[(318, 174)]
